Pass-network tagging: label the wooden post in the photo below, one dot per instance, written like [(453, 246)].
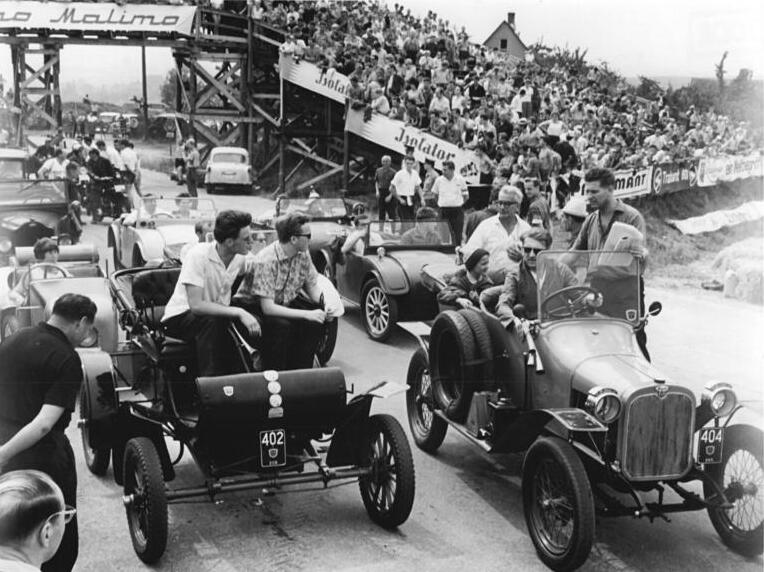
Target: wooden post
[(144, 94), (346, 160), (282, 141), (192, 95)]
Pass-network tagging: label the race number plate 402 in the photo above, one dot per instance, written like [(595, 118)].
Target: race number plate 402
[(710, 441), (273, 448)]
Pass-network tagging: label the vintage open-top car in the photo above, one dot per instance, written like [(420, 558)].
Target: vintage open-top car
[(255, 430), (77, 270), (382, 273), (30, 210), (600, 426), (142, 235)]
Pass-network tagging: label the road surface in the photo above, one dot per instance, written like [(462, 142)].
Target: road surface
[(468, 509)]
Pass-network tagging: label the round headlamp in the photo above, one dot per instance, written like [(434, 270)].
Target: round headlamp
[(604, 404), (720, 397), (5, 246)]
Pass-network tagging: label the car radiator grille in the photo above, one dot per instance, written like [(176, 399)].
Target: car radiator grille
[(656, 433)]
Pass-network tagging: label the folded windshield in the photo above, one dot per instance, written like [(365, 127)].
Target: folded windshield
[(314, 208), (410, 233), (32, 192)]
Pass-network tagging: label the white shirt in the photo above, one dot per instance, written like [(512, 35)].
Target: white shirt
[(491, 235), (113, 155), (16, 566), (203, 267), (52, 169), (129, 159), (406, 183), (450, 192)]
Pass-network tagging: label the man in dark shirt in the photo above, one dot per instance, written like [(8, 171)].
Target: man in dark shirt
[(386, 203), (40, 375), (538, 205)]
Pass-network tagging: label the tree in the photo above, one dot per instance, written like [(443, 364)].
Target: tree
[(169, 89), (649, 88)]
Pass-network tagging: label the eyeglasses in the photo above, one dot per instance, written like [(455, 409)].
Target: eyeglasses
[(305, 234), (68, 514), (506, 203), (529, 250)]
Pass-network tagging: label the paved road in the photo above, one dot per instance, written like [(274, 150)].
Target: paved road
[(468, 509)]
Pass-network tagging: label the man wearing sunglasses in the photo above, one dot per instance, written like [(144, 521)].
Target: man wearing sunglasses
[(40, 376), (33, 518), (292, 328)]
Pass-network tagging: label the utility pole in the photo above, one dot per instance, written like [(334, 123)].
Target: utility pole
[(145, 103)]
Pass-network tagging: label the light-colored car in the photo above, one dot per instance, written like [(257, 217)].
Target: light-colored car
[(12, 164), (228, 168), (142, 235)]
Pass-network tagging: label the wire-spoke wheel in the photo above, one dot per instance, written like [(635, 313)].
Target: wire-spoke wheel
[(145, 499), (741, 477), (379, 311), (96, 460), (558, 504), (327, 342), (388, 490), (428, 429)]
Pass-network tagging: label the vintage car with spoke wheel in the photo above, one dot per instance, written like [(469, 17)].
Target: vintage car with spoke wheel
[(603, 431), (382, 273), (148, 390)]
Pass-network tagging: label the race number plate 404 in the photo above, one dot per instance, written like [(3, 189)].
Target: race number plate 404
[(272, 448), (710, 442)]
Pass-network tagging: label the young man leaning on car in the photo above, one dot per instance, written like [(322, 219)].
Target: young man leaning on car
[(199, 309)]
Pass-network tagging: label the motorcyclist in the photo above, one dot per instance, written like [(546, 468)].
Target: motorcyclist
[(101, 173)]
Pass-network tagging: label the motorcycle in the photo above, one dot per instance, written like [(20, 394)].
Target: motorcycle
[(104, 199)]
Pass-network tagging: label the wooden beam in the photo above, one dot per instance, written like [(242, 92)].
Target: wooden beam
[(312, 156), (36, 75), (267, 116), (319, 178), (222, 88)]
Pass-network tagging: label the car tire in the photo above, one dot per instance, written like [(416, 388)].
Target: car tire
[(508, 361), (484, 346), (388, 490), (96, 460), (554, 480), (211, 190), (452, 351), (147, 513), (379, 311), (741, 461), (427, 428), (328, 342)]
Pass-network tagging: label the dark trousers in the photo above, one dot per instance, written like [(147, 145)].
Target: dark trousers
[(290, 344), (53, 455), (191, 182), (387, 209), (455, 218), (215, 348)]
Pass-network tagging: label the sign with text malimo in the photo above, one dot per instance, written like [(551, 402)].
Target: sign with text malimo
[(96, 16), (397, 135), (329, 83), (713, 170)]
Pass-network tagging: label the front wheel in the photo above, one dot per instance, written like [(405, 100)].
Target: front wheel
[(145, 499), (388, 490), (328, 342), (428, 429), (558, 504), (379, 311), (97, 460), (741, 477)]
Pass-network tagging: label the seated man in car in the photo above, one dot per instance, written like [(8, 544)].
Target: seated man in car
[(521, 284), (464, 287), (146, 211), (292, 329), (199, 309), (423, 233), (45, 250), (184, 203)]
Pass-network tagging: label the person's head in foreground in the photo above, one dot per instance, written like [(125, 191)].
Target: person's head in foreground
[(232, 231), (534, 241), (293, 231), (600, 183), (477, 263), (45, 250), (33, 517)]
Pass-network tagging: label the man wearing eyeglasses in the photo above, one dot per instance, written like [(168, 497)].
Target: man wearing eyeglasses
[(33, 520), (40, 375), (292, 329)]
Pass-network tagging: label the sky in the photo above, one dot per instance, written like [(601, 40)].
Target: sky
[(648, 37)]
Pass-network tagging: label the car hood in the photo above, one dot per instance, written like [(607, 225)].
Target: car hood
[(412, 261), (595, 352), (13, 218), (176, 233)]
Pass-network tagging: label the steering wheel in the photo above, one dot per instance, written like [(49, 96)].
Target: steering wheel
[(49, 265), (571, 301), (163, 215)]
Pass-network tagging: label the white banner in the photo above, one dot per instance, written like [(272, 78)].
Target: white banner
[(632, 183), (713, 170), (397, 135), (712, 221), (96, 16), (330, 84)]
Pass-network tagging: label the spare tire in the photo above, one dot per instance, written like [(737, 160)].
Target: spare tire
[(508, 360), (484, 371), (452, 356)]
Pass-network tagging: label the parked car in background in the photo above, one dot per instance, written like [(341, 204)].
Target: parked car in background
[(228, 169)]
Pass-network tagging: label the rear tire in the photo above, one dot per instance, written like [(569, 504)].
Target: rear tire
[(138, 260), (328, 342), (388, 491), (452, 347), (97, 460), (558, 504), (147, 513), (740, 527), (427, 428)]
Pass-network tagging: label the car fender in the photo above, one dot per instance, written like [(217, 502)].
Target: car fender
[(529, 425), (391, 275), (150, 243), (116, 236), (98, 387)]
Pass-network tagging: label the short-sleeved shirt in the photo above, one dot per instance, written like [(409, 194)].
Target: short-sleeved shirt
[(278, 276), (593, 235), (383, 177), (491, 235), (450, 191), (406, 183), (203, 267), (38, 366)]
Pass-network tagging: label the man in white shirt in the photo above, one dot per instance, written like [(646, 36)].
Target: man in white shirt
[(111, 154), (55, 167), (451, 190), (405, 187), (199, 310), (499, 233), (130, 172)]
